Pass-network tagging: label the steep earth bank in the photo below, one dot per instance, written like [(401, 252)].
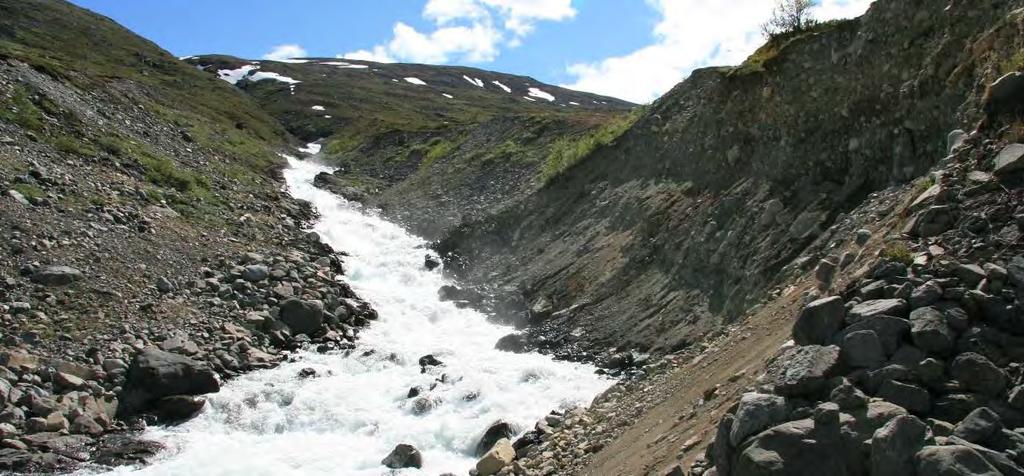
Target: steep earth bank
[(700, 209)]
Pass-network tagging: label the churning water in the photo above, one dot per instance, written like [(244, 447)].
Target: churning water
[(344, 422)]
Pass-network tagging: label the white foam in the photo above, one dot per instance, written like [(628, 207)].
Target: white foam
[(502, 86), (537, 93), (416, 81), (311, 148), (345, 421)]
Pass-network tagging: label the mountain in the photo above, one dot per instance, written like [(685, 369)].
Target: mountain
[(433, 146)]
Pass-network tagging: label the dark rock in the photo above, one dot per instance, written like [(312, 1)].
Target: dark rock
[(617, 361), (790, 448), (255, 273), (930, 331), (978, 426), (925, 295), (878, 307), (915, 399), (890, 331), (874, 379), (429, 361), (969, 274), (178, 408), (57, 276), (498, 430), (862, 349), (515, 343), (894, 445), (953, 460), (955, 407), (848, 396), (803, 370), (932, 221), (1006, 94), (998, 460), (722, 450), (431, 262), (302, 317), (818, 321), (164, 285), (755, 413), (1010, 160), (977, 373), (403, 456), (155, 374)]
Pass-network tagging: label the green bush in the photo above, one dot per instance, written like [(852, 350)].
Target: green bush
[(898, 252), (72, 145)]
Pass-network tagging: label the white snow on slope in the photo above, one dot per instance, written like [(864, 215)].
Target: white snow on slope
[(416, 81), (318, 108), (502, 86), (529, 99), (474, 81), (574, 103), (261, 75), (233, 76), (186, 58), (342, 64), (449, 96), (537, 93)]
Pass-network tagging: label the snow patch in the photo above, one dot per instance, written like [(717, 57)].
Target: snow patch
[(574, 103), (529, 99), (537, 93), (186, 58), (342, 64), (291, 60), (261, 75), (449, 96), (233, 76), (502, 86), (318, 108), (416, 81), (474, 81), (327, 117)]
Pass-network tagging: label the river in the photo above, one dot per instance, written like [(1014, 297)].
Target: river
[(344, 422)]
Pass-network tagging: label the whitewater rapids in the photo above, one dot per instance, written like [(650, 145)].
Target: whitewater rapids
[(344, 422)]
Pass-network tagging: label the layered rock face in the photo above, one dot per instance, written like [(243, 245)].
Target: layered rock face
[(703, 206)]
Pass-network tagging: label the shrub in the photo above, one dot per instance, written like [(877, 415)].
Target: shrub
[(567, 152), (789, 16), (899, 253)]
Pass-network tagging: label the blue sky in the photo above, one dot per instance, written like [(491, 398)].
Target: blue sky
[(632, 49)]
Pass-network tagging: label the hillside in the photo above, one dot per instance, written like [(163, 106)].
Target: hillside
[(433, 146)]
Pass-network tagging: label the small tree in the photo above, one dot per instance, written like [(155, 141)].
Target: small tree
[(789, 16)]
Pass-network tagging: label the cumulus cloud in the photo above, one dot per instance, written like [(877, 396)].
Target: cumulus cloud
[(471, 31), (284, 52), (690, 34)]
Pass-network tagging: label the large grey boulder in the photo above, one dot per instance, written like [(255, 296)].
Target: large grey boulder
[(792, 448), (878, 307), (894, 445), (890, 331), (255, 273), (930, 332), (818, 321), (403, 456), (1009, 160), (155, 374), (755, 413), (496, 431), (57, 276), (803, 370), (978, 426), (302, 317), (907, 395), (952, 460), (978, 374), (862, 349)]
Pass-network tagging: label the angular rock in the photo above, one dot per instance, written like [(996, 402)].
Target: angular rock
[(302, 317), (803, 370), (912, 397), (930, 332), (890, 331), (862, 349), (978, 374), (818, 321), (756, 412), (403, 456), (255, 273), (894, 445), (498, 430), (178, 408), (57, 276), (1009, 160), (790, 448), (878, 307), (952, 460), (155, 374), (978, 426), (925, 295), (499, 456)]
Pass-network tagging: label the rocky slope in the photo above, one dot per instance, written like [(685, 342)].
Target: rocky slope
[(735, 173), (148, 251)]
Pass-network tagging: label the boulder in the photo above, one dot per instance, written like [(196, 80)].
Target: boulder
[(907, 395), (978, 374), (792, 448), (255, 273), (932, 221), (877, 307), (978, 426), (429, 361), (155, 374), (997, 459), (930, 332), (803, 370), (515, 343), (178, 408), (498, 430), (57, 276), (755, 413), (1006, 94), (890, 331), (722, 450), (952, 460), (894, 445), (862, 349), (818, 321), (302, 317), (431, 262), (499, 456), (925, 295), (847, 396), (403, 456), (1009, 160)]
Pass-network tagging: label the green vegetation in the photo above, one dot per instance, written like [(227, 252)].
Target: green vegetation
[(1013, 63), (898, 252), (771, 49), (567, 152), (19, 109), (29, 191), (71, 145), (922, 184)]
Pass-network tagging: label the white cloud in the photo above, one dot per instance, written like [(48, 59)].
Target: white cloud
[(471, 31), (284, 52), (690, 34)]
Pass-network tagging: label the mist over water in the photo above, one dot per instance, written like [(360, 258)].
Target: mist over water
[(345, 421)]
